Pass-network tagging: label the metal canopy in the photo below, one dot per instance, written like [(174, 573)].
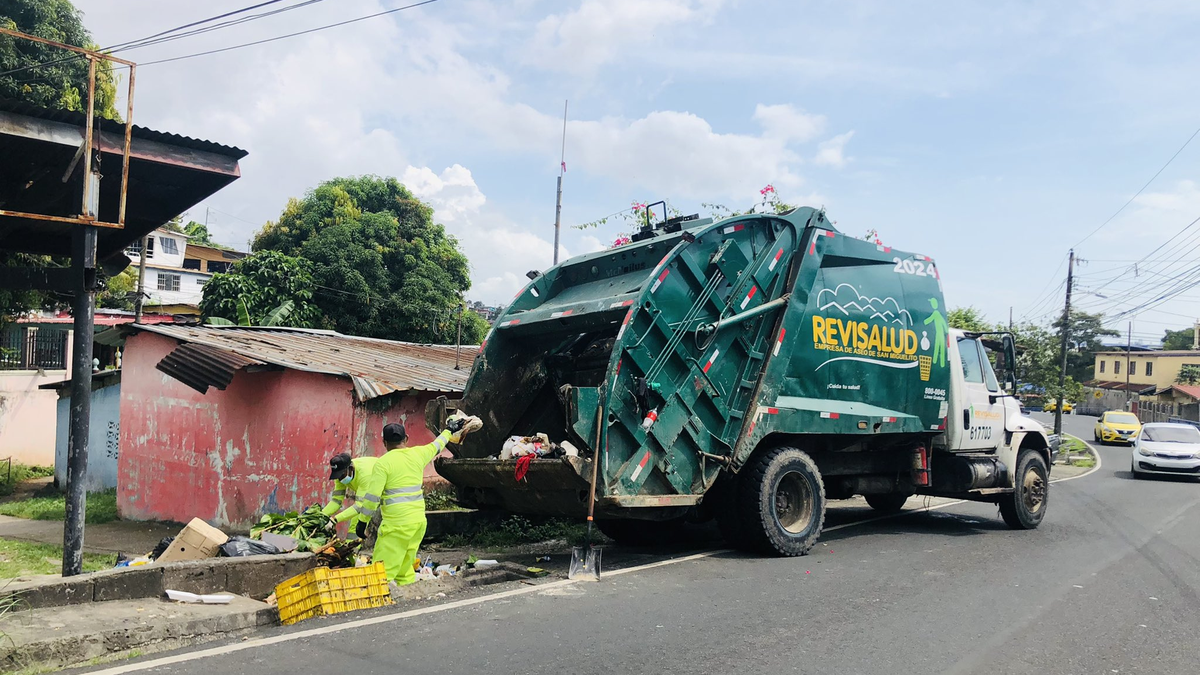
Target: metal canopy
[(168, 174)]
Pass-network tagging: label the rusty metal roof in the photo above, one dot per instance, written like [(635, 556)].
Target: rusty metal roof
[(210, 355)]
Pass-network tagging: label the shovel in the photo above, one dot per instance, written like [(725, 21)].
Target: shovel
[(585, 560)]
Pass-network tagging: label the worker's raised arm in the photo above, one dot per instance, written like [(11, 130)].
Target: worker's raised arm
[(431, 450)]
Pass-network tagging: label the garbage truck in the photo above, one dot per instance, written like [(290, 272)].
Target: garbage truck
[(746, 370)]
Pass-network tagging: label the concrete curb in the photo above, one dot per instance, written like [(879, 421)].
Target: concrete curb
[(251, 576)]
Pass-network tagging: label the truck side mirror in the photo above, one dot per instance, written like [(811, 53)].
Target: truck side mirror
[(1009, 346)]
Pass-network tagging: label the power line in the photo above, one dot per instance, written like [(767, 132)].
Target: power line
[(1143, 188), (290, 35)]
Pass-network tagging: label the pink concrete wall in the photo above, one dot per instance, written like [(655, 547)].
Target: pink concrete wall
[(262, 445), (28, 416)]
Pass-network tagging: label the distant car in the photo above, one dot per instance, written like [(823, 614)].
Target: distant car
[(1115, 426), (1052, 405), (1166, 448)]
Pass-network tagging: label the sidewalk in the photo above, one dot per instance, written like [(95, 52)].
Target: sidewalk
[(121, 536)]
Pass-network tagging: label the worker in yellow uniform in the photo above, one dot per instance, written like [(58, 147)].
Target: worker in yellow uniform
[(396, 490), (350, 478)]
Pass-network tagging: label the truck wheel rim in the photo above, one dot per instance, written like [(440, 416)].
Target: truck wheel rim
[(794, 503), (1034, 492)]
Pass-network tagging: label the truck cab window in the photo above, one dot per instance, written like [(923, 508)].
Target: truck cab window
[(968, 350), (989, 373)]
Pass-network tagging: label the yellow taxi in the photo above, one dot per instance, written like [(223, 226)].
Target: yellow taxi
[(1052, 405), (1115, 426)]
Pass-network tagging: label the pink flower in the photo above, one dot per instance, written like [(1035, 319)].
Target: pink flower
[(638, 206), (621, 241), (769, 189)]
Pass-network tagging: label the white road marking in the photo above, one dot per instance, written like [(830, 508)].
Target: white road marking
[(468, 602)]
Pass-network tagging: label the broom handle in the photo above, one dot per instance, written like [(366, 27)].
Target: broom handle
[(595, 470)]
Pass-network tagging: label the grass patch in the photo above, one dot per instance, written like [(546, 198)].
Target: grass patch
[(101, 507), (517, 530), (21, 473), (19, 558)]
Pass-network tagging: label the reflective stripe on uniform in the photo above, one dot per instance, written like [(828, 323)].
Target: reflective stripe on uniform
[(400, 500), (395, 491), (339, 493), (439, 443), (370, 513), (370, 498)]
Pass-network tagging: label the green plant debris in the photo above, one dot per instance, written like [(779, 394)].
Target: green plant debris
[(101, 507), (311, 529), (19, 558), (517, 530), (442, 499)]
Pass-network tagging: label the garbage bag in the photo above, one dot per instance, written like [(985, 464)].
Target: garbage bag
[(239, 547), (162, 547)]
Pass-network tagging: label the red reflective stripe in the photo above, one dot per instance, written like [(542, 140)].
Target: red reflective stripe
[(828, 233), (813, 248), (772, 411), (642, 464), (779, 254)]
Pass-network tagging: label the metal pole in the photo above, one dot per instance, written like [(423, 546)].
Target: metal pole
[(83, 261), (562, 162), (458, 340), (87, 141), (1066, 329), (125, 156)]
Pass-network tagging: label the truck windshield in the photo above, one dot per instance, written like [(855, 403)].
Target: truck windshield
[(1171, 434)]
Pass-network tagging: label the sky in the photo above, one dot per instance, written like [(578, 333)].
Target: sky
[(991, 136)]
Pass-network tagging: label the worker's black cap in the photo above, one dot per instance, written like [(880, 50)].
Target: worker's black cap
[(394, 433), (339, 466)]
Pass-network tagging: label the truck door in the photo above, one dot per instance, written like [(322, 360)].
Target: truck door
[(982, 421)]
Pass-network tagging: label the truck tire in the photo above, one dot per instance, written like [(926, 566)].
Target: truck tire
[(889, 503), (781, 502), (1026, 506)]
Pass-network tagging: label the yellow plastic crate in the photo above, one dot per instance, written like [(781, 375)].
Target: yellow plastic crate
[(324, 591)]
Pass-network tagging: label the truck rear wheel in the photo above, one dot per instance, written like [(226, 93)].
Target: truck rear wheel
[(1026, 506), (889, 503), (781, 502)]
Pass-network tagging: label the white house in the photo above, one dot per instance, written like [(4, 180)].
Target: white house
[(176, 270)]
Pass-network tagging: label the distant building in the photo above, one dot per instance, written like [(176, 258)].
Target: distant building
[(177, 270), (1143, 370)]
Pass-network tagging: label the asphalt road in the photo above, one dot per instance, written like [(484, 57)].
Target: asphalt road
[(1108, 584)]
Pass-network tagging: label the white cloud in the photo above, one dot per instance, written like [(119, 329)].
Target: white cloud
[(788, 124), (598, 31), (832, 151)]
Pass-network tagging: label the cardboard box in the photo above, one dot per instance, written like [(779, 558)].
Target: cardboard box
[(198, 540)]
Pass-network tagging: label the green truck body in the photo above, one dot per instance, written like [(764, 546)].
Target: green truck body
[(765, 357)]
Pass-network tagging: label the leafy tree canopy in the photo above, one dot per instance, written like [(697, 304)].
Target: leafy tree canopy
[(1178, 339), (260, 284), (1083, 340), (383, 268), (968, 319), (1188, 374), (61, 85)]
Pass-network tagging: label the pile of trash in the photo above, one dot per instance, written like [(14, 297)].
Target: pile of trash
[(428, 569), (538, 445)]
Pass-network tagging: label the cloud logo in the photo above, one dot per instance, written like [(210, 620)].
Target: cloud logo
[(845, 297)]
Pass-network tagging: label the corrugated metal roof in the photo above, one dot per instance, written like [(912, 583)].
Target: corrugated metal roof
[(211, 354), (78, 119)]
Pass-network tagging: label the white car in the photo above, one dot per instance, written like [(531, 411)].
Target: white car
[(1167, 448)]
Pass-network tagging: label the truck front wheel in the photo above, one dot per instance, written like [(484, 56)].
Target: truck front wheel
[(1026, 506), (782, 502)]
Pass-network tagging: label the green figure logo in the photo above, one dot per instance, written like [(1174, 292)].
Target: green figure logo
[(940, 330)]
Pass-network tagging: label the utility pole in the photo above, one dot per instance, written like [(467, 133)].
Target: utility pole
[(1066, 329), (141, 287), (1010, 320), (1128, 348), (458, 340), (562, 168), (1196, 334)]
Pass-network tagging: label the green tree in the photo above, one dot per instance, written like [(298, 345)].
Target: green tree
[(1070, 390), (14, 302), (384, 268), (1178, 339), (968, 319), (1083, 341), (119, 290), (258, 287), (1188, 374), (63, 83), (198, 234), (1037, 356)]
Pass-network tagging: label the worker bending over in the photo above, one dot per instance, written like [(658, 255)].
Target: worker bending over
[(395, 489), (350, 478)]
